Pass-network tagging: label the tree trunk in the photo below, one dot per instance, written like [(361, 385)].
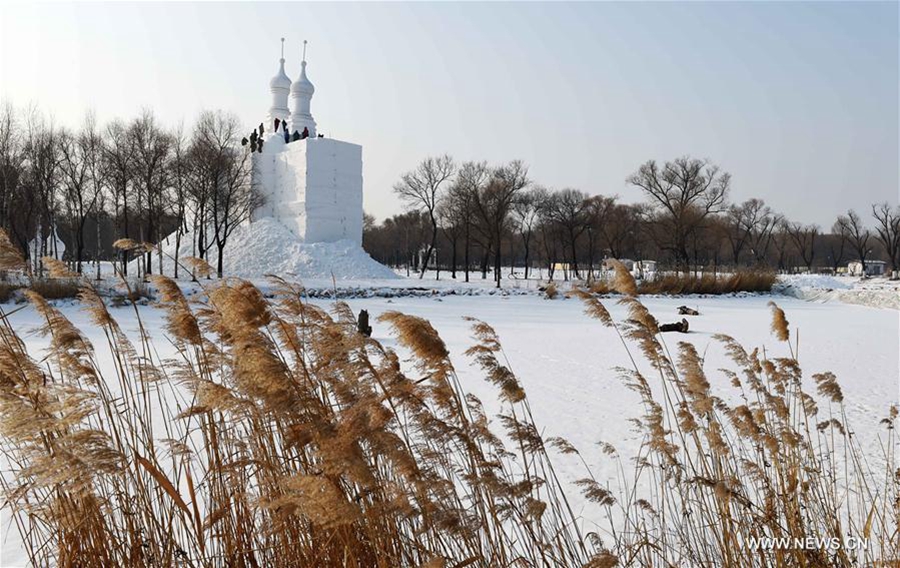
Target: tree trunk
[(525, 243), (467, 246), (574, 257), (79, 251), (453, 259), (434, 231), (220, 260), (177, 247), (98, 243)]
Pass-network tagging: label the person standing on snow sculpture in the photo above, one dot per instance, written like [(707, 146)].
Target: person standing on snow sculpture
[(305, 134)]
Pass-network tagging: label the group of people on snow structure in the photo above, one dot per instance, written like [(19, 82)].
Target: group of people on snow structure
[(256, 138)]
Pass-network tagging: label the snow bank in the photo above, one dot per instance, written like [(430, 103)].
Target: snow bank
[(816, 281), (268, 247), (875, 293)]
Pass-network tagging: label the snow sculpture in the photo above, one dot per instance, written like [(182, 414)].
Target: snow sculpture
[(312, 186)]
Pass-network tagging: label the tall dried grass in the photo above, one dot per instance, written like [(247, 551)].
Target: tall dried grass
[(677, 284), (280, 436), (780, 463)]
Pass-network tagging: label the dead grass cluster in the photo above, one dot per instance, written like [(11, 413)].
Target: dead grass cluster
[(676, 284), (279, 436), (780, 463), (56, 288), (7, 289)]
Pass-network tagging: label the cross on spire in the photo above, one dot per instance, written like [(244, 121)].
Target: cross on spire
[(282, 48), (304, 51)]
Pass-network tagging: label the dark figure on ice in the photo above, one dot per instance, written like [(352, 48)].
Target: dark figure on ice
[(686, 311), (362, 323), (680, 327)]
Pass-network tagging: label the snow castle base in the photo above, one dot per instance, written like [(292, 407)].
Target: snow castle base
[(266, 246)]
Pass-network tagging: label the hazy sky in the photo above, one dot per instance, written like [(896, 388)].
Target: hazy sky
[(799, 101)]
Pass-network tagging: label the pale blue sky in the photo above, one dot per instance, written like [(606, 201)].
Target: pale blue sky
[(799, 101)]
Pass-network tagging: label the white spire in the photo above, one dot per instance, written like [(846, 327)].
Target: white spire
[(280, 87), (301, 95)]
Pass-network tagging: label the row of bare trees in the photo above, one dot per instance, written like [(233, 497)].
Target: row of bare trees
[(136, 180), (472, 216), (470, 202)]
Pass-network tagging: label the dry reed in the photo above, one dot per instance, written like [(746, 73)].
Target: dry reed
[(277, 435)]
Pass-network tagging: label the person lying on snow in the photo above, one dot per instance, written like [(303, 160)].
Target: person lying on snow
[(681, 327)]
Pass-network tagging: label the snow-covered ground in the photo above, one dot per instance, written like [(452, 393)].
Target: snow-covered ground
[(565, 360), (353, 278), (877, 292)]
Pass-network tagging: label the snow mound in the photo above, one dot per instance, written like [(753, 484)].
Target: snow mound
[(875, 293), (268, 247), (816, 281)]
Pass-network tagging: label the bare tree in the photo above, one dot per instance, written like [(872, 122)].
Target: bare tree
[(858, 236), (598, 213), (782, 240), (398, 240), (152, 152), (41, 190), (527, 209), (494, 205), (119, 170), (421, 190), (837, 242), (887, 230), (619, 226), (804, 239), (749, 226), (92, 141), (81, 180), (567, 208), (685, 191), (12, 171), (462, 196), (226, 167), (179, 191), (549, 237)]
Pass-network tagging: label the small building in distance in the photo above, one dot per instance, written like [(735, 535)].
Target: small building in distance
[(873, 268)]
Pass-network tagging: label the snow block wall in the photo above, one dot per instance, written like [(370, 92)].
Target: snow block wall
[(313, 187)]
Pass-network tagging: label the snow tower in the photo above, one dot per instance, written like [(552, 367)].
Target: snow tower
[(311, 184)]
